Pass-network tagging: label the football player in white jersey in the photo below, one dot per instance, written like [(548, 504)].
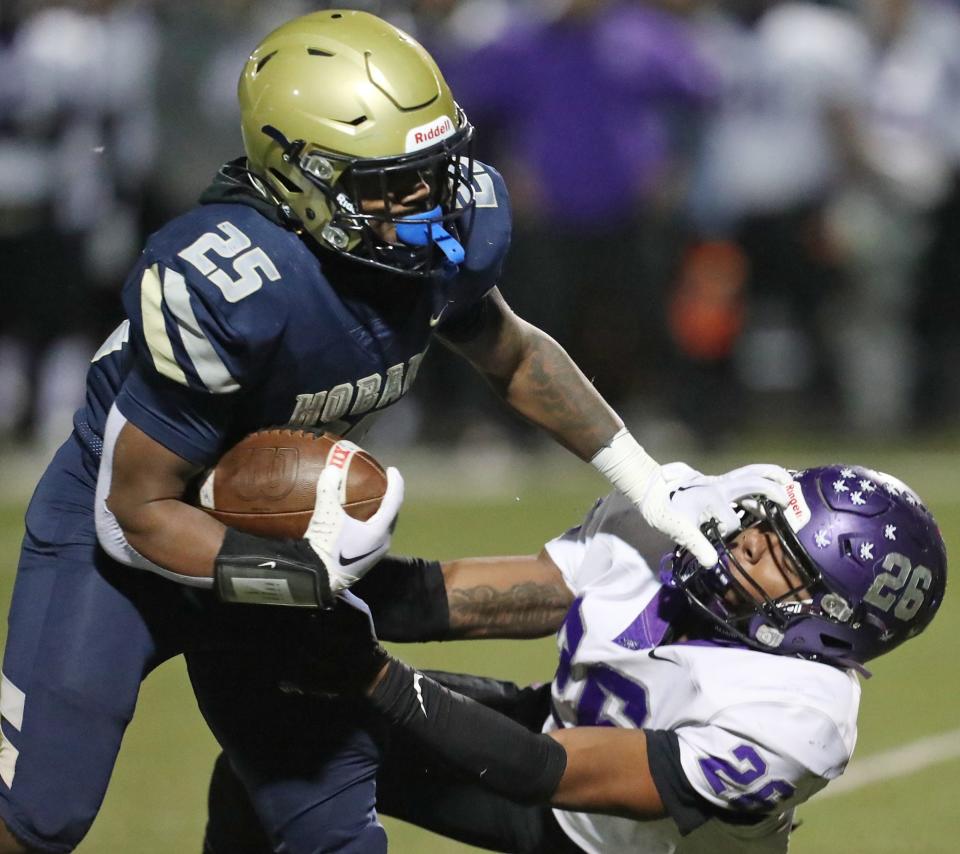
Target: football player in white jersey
[(692, 709)]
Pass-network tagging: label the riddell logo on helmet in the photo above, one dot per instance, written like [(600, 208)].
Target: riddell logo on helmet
[(430, 133), (796, 511)]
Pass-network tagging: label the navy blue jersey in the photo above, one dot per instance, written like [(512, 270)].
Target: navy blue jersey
[(234, 324)]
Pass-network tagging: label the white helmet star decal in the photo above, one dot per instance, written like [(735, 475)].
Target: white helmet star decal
[(866, 551), (840, 486), (890, 532)]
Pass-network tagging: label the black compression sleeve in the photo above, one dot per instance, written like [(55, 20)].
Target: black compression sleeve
[(489, 748), (407, 598)]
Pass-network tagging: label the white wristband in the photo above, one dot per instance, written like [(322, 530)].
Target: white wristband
[(626, 465)]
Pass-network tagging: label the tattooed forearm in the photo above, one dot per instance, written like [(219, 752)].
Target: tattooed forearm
[(537, 378), (550, 390), (524, 610)]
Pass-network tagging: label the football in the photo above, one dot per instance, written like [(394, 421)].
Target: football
[(266, 483)]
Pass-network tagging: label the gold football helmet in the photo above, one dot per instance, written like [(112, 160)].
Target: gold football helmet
[(344, 116)]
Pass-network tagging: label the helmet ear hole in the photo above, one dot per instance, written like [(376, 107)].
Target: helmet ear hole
[(264, 61), (288, 185), (834, 643)]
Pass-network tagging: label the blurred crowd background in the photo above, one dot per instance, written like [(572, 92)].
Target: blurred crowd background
[(729, 212)]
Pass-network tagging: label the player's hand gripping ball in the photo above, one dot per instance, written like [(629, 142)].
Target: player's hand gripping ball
[(266, 484), (296, 484)]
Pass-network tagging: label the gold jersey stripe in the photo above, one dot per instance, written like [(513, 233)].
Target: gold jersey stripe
[(209, 366), (155, 329)]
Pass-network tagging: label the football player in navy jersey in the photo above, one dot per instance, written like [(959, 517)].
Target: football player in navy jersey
[(303, 290)]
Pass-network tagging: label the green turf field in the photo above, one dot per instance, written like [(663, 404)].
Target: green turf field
[(155, 804)]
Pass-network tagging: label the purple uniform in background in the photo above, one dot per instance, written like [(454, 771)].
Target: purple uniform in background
[(586, 101)]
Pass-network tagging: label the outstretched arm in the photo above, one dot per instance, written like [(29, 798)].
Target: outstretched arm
[(535, 376), (594, 769), (505, 597), (537, 379), (486, 597)]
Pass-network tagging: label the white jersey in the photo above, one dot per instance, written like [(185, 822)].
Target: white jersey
[(758, 733)]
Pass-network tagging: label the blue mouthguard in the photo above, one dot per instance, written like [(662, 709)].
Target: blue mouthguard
[(423, 228)]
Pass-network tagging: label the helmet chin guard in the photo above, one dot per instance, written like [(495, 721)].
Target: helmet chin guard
[(870, 557)]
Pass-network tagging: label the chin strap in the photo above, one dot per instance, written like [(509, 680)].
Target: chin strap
[(422, 229)]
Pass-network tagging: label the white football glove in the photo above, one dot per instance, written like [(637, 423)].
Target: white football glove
[(670, 509), (698, 498), (348, 547), (638, 476)]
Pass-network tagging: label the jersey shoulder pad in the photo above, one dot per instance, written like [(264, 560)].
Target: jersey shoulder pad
[(491, 224), (603, 551), (205, 301), (487, 239)]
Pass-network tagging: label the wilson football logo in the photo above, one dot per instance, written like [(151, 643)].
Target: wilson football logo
[(268, 474)]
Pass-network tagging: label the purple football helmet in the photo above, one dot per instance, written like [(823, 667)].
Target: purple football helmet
[(870, 556)]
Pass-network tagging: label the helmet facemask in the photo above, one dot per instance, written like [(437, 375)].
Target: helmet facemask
[(776, 624), (353, 206), (868, 553), (709, 589)]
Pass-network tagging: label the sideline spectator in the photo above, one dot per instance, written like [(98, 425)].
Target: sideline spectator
[(75, 144), (792, 86), (883, 222), (586, 102)]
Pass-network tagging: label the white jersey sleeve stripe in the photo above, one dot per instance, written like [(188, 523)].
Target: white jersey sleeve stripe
[(115, 341), (155, 327), (12, 702), (208, 365)]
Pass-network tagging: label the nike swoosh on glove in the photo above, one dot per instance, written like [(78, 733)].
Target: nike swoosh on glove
[(700, 498), (349, 547)]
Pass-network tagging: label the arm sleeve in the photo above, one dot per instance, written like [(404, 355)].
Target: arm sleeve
[(489, 748), (407, 599)]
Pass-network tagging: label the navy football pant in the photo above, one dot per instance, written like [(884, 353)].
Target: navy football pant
[(309, 762), (85, 631)]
